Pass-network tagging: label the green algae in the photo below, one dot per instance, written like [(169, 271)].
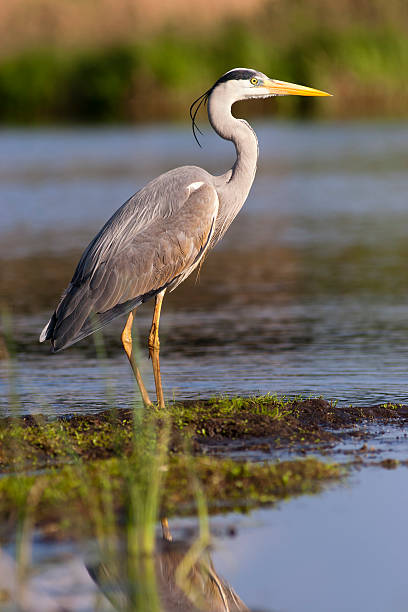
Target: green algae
[(154, 462), (32, 443), (147, 462)]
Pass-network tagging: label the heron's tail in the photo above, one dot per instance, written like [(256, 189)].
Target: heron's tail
[(74, 318), (46, 333), (66, 328)]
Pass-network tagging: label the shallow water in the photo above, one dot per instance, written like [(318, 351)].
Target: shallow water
[(306, 294), (344, 549)]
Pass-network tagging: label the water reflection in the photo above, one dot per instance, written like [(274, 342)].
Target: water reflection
[(342, 550), (59, 581), (202, 589)]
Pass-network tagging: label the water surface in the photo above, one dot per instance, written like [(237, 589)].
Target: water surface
[(342, 550), (306, 294)]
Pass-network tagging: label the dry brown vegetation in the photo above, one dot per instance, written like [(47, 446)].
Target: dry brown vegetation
[(67, 23), (133, 60), (88, 23)]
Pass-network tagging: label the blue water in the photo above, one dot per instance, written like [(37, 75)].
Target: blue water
[(306, 294), (344, 549)]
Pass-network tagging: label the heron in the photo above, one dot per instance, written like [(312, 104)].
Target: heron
[(158, 237)]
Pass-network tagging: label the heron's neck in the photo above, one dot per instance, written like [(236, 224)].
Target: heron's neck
[(233, 192)]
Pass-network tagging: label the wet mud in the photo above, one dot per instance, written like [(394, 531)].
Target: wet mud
[(234, 447), (219, 426), (300, 424)]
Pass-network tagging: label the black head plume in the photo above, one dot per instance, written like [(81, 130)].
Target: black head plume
[(194, 108), (237, 74)]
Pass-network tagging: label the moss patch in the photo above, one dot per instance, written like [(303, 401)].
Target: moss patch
[(207, 426), (227, 485), (91, 464), (88, 464)]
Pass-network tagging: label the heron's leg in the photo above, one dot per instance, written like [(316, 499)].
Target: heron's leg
[(127, 345), (154, 347), (166, 530)]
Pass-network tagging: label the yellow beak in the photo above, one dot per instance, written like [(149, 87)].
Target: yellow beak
[(281, 88)]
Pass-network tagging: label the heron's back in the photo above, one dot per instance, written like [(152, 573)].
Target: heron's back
[(152, 242)]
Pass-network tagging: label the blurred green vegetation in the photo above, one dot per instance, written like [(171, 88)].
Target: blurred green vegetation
[(359, 57)]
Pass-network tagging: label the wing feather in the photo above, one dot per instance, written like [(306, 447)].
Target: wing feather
[(112, 277), (159, 199)]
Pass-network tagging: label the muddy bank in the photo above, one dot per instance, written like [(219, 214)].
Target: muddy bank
[(52, 464), (207, 427), (227, 485), (274, 423)]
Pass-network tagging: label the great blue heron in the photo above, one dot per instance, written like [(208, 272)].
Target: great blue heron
[(161, 234)]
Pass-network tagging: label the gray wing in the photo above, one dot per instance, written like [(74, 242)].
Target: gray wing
[(128, 263), (159, 199)]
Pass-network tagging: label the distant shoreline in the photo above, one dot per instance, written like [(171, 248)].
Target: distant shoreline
[(125, 71)]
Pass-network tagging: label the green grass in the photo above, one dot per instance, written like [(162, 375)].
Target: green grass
[(37, 442), (270, 404)]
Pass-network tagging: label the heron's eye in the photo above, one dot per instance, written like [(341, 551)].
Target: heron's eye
[(254, 81)]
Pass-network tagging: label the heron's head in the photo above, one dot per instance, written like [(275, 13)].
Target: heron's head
[(245, 83)]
